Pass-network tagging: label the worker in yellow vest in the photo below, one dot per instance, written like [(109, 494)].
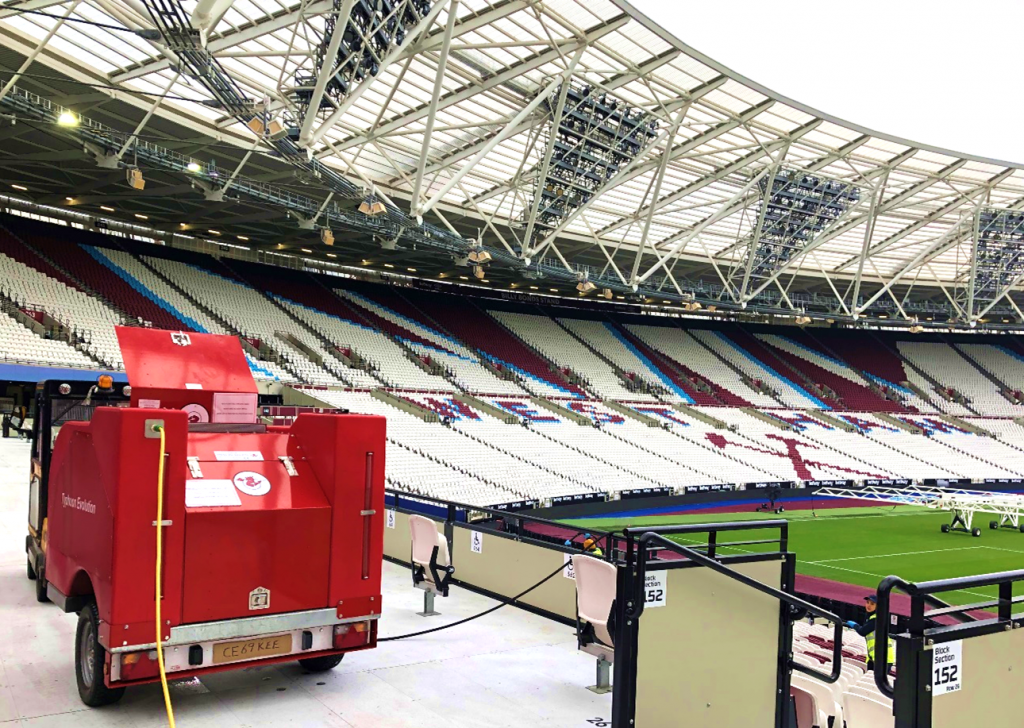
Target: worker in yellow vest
[(867, 631)]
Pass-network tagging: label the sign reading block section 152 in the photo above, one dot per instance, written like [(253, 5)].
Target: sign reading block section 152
[(655, 589)]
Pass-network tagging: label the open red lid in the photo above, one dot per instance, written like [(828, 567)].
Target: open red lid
[(184, 370)]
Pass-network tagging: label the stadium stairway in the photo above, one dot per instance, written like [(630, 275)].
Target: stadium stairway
[(784, 364), (799, 351), (699, 390), (633, 369), (470, 324)]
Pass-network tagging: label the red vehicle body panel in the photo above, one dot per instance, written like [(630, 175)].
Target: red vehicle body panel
[(314, 539)]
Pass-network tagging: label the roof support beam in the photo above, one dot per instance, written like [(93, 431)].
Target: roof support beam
[(659, 178), (428, 133), (355, 94), (556, 119), (326, 71), (208, 13), (230, 40), (495, 141), (641, 165), (484, 84)]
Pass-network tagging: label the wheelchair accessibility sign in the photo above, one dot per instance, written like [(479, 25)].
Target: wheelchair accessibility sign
[(476, 543), (390, 521)]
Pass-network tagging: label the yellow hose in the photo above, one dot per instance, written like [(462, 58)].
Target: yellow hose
[(159, 573)]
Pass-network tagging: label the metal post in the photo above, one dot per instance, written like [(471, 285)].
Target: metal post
[(604, 684), (428, 605)]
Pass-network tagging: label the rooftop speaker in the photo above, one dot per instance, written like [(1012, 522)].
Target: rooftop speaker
[(372, 206), (585, 287), (327, 236)]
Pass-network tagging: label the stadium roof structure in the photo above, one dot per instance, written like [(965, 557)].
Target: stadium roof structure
[(574, 141)]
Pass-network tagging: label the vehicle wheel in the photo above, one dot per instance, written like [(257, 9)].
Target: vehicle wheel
[(1022, 528), (994, 525), (31, 571), (41, 585), (321, 664), (945, 528), (90, 658), (976, 532)]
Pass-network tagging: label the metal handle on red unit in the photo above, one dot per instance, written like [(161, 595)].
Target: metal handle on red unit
[(367, 513)]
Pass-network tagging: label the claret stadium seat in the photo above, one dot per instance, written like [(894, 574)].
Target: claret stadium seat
[(431, 562)]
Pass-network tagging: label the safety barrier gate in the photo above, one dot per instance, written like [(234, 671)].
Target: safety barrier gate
[(497, 553), (714, 647), (960, 675)]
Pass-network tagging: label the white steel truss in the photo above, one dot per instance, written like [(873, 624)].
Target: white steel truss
[(452, 119)]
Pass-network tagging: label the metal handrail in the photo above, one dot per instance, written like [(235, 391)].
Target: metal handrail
[(636, 609)]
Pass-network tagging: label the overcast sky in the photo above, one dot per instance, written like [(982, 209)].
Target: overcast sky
[(941, 73)]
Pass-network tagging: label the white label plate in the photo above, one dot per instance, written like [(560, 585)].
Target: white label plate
[(390, 521), (476, 542), (947, 668), (238, 456), (655, 589), (210, 493), (193, 385), (568, 572), (149, 404)]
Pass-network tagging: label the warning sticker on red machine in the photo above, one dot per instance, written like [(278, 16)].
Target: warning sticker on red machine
[(210, 493), (234, 407)]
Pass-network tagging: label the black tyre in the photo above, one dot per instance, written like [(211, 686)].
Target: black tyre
[(976, 532), (945, 528), (90, 659), (321, 664), (994, 525), (30, 569), (1022, 528), (41, 585)]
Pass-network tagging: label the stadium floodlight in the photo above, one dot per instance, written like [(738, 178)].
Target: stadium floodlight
[(372, 206), (66, 118), (479, 256), (327, 236), (478, 272), (585, 287), (607, 293), (193, 166), (135, 178)]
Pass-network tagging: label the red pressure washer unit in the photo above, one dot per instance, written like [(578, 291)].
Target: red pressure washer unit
[(272, 535)]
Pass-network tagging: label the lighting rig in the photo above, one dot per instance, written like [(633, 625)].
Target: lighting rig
[(596, 136), (371, 31), (998, 256), (797, 207)]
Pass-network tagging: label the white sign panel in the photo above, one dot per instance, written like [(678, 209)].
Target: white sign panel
[(568, 571), (238, 456), (234, 407), (947, 668), (655, 589), (390, 521), (251, 483), (209, 493), (149, 404), (476, 543)]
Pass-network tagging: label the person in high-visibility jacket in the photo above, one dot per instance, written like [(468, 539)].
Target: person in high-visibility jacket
[(867, 631)]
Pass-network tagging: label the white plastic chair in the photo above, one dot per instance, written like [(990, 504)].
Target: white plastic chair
[(429, 573), (863, 712), (595, 594)]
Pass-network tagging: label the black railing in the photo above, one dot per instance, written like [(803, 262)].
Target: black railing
[(920, 636)]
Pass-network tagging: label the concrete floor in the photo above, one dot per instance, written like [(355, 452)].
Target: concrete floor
[(510, 668)]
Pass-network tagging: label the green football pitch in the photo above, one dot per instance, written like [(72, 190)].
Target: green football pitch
[(864, 545)]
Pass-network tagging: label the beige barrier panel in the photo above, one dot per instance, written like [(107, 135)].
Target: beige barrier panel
[(709, 657), (505, 566), (992, 674), (398, 540)]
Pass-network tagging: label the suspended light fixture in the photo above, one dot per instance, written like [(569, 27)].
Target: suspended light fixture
[(66, 118)]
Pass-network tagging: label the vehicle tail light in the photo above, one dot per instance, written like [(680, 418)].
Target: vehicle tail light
[(139, 665), (347, 636)]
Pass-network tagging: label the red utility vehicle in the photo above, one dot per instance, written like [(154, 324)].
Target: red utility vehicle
[(272, 535)]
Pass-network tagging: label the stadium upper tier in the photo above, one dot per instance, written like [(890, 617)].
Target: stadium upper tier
[(493, 401), (572, 139)]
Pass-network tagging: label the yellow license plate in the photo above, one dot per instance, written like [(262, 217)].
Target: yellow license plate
[(252, 648)]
